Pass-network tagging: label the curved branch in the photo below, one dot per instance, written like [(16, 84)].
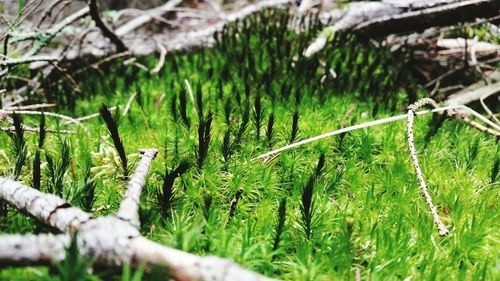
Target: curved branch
[(94, 13)]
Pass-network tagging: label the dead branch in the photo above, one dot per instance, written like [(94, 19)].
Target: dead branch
[(31, 106), (379, 19), (35, 130), (94, 13), (25, 60), (148, 16), (161, 61), (437, 15), (48, 208), (110, 240), (413, 154), (26, 112), (129, 207), (43, 38)]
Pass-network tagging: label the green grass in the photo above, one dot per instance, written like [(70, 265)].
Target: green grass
[(363, 210)]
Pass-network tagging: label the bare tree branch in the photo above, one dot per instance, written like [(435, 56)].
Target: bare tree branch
[(94, 13), (110, 240), (148, 16), (129, 207)]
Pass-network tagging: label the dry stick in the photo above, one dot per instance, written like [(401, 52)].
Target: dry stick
[(351, 128), (35, 130), (129, 103), (411, 142), (129, 207), (65, 73), (379, 19), (191, 96), (478, 126), (94, 13), (26, 112), (487, 109), (374, 123), (161, 61), (23, 249), (25, 60), (234, 202), (50, 33), (145, 18), (48, 11), (91, 116), (31, 106)]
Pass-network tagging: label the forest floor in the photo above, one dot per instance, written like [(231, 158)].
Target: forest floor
[(324, 211)]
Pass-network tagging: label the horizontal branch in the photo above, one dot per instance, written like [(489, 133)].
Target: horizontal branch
[(441, 15), (25, 60), (148, 16)]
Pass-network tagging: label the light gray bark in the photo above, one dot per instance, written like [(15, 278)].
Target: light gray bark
[(32, 249), (129, 207), (47, 208)]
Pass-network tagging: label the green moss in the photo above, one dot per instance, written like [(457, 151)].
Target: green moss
[(368, 212)]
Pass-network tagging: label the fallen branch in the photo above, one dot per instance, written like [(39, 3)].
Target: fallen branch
[(35, 130), (31, 106), (148, 16), (94, 13), (26, 112), (379, 19), (110, 240), (25, 60)]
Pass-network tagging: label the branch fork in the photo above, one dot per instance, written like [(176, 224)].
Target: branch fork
[(110, 240)]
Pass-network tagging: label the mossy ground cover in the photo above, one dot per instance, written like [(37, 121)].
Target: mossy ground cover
[(317, 212)]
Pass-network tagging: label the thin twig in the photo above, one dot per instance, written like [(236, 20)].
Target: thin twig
[(35, 130), (191, 96), (161, 61), (411, 142), (31, 106), (64, 117), (129, 103), (91, 116)]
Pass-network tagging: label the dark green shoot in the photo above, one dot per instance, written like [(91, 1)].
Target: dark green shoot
[(295, 127), (19, 148), (57, 169), (280, 226), (204, 136), (166, 195), (113, 132), (37, 160)]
